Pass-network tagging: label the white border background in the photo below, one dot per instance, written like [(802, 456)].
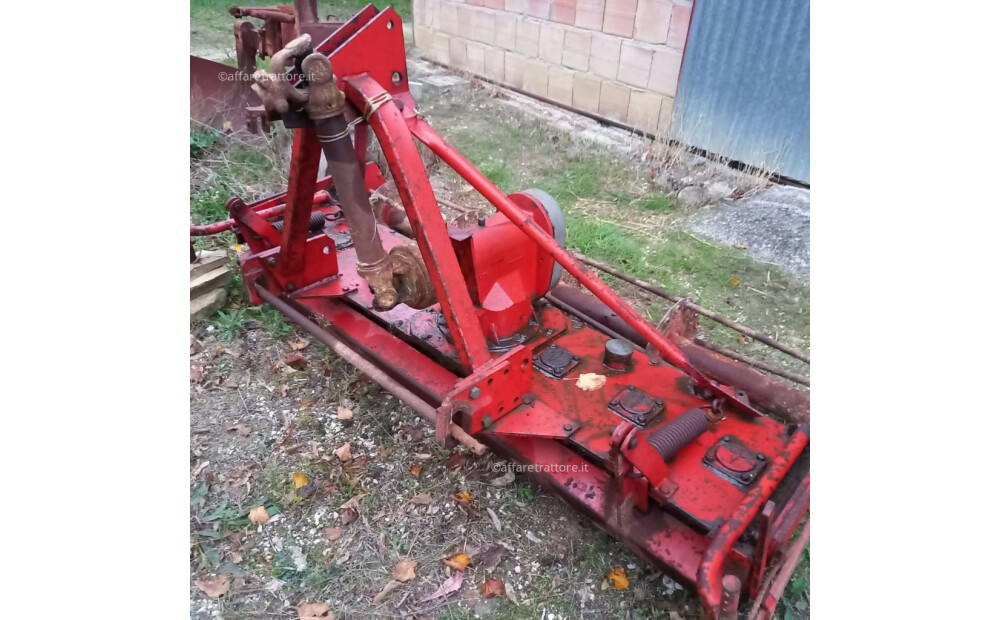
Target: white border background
[(904, 159)]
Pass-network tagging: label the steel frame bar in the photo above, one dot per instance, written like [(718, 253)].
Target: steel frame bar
[(301, 187), (423, 132), (421, 207), (715, 316)]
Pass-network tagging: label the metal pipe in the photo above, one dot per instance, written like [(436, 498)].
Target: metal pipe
[(768, 598), (203, 230), (730, 597), (751, 361), (715, 316), (368, 369), (423, 132), (710, 570)]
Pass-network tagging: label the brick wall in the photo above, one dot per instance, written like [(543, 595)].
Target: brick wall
[(619, 59)]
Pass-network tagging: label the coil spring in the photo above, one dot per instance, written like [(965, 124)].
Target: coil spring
[(316, 222), (678, 433)]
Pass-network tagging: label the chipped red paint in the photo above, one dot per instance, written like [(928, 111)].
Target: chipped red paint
[(478, 359)]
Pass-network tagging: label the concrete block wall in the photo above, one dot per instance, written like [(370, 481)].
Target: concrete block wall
[(619, 59)]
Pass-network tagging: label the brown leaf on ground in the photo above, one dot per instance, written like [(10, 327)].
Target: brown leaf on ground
[(458, 561), (617, 578), (298, 344), (353, 503), (333, 534), (259, 515), (231, 352), (308, 402), (734, 281), (415, 470), (493, 587), (489, 558), (214, 587), (344, 452), (455, 461), (231, 383), (241, 429), (296, 361), (197, 373), (421, 499), (590, 381), (299, 480), (450, 585), (309, 611), (343, 413), (404, 570), (283, 390), (389, 587), (464, 496), (348, 516), (740, 246)]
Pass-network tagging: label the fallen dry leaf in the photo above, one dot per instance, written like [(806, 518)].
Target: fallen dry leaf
[(344, 452), (241, 429), (404, 571), (353, 503), (464, 496), (489, 558), (415, 470), (299, 480), (349, 516), (215, 587), (450, 585), (283, 390), (740, 246), (343, 413), (493, 587), (308, 402), (259, 515), (734, 281), (494, 518), (617, 578), (421, 499), (296, 361), (334, 533), (455, 461), (298, 345), (590, 381), (231, 383), (389, 587), (197, 373), (458, 561), (308, 611), (503, 480)]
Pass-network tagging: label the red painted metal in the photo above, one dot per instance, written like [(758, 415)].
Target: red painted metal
[(477, 357)]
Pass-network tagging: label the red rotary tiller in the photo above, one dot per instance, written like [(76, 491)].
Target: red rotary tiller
[(465, 322)]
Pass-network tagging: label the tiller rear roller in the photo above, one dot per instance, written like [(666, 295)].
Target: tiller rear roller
[(683, 469)]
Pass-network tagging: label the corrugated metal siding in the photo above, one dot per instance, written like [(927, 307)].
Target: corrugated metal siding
[(744, 85)]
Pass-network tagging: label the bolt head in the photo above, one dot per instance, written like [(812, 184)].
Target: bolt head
[(567, 427), (726, 438), (475, 392), (760, 456), (272, 261), (631, 388), (746, 477), (658, 402), (632, 443), (487, 421), (614, 401)]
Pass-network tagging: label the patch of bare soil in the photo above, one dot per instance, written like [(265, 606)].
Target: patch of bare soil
[(268, 432)]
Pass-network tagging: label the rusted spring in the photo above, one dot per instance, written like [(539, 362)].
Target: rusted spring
[(317, 220), (656, 290), (367, 368), (678, 433)]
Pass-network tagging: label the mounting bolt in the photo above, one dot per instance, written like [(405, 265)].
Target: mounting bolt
[(487, 421), (576, 358), (653, 361), (632, 443), (549, 331), (528, 399), (659, 402), (272, 261), (613, 402), (567, 427), (425, 336), (290, 286), (475, 392), (481, 220), (760, 456), (641, 418), (726, 438), (746, 477), (630, 388)]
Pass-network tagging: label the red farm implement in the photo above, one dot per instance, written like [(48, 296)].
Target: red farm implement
[(670, 450)]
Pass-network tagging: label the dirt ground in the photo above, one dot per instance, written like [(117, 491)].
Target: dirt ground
[(269, 429)]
